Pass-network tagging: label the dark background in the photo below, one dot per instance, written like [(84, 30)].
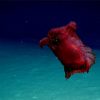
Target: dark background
[(31, 20)]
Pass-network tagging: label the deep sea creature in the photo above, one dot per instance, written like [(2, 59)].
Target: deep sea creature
[(69, 49)]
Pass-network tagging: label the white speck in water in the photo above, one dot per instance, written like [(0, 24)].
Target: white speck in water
[(18, 95), (34, 97), (14, 75), (26, 21)]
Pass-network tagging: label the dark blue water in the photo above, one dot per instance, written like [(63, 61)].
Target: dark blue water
[(28, 72)]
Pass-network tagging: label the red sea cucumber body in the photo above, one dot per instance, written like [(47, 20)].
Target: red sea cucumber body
[(69, 49)]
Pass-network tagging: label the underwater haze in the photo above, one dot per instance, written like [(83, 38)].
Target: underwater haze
[(28, 72)]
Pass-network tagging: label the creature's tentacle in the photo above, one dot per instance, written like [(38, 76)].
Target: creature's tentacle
[(73, 25), (43, 42)]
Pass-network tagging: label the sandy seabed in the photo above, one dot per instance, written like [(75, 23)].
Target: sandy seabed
[(28, 72)]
